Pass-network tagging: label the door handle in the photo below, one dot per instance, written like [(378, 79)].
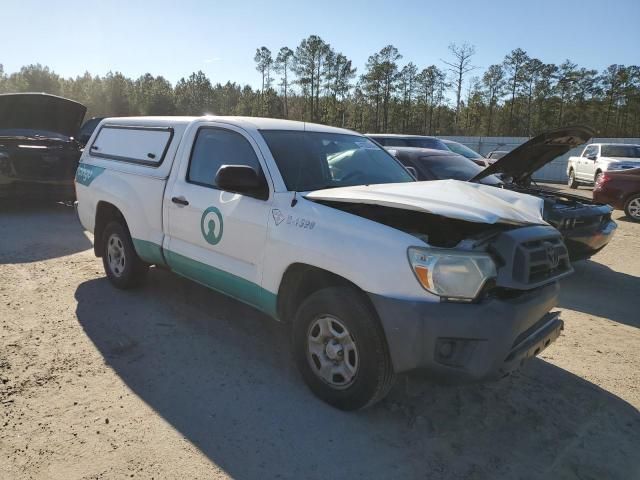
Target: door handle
[(180, 201)]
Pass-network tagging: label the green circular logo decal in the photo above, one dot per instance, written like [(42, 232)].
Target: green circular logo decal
[(211, 225)]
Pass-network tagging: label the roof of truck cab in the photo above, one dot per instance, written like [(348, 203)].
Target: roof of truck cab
[(258, 123)]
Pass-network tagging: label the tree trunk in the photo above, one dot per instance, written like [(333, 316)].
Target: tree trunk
[(458, 93), (286, 105), (513, 98)]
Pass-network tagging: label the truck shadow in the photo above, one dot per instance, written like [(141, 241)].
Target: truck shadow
[(598, 290), (221, 374), (36, 231)]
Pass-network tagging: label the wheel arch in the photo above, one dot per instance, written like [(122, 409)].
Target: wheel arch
[(106, 212), (301, 280)]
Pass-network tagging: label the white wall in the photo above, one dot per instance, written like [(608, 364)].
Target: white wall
[(556, 171)]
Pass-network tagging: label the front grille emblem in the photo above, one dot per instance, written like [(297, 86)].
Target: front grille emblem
[(552, 255)]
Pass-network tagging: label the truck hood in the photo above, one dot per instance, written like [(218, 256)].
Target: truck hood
[(40, 111), (448, 198), (520, 163)]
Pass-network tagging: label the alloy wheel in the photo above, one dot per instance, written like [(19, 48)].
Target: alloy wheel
[(634, 208)]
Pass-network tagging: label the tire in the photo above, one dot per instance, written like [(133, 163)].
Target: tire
[(365, 354), (572, 183), (632, 207), (127, 270), (597, 176)]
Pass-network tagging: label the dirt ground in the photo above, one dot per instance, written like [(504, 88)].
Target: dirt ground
[(175, 381)]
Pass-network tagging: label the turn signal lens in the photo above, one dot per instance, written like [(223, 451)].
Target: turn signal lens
[(422, 273)]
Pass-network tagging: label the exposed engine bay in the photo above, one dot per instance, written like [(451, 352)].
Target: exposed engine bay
[(526, 257), (565, 211), (435, 230)]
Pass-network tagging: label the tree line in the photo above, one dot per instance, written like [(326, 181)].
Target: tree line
[(520, 96)]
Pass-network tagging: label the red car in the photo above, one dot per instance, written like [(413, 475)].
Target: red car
[(621, 190)]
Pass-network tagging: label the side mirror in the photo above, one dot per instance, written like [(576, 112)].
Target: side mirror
[(592, 157), (393, 152), (241, 179)]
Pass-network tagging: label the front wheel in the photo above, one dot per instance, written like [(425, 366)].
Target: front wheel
[(341, 350), (632, 208), (572, 182), (121, 262), (597, 178)]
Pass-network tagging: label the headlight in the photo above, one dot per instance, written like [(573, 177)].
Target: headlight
[(451, 274)]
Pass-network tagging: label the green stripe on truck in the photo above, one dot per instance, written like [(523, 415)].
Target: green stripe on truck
[(149, 252), (214, 278)]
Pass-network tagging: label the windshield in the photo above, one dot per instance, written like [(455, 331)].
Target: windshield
[(317, 160), (463, 150), (627, 151), (455, 167)]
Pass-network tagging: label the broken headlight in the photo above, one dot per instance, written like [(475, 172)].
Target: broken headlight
[(451, 274)]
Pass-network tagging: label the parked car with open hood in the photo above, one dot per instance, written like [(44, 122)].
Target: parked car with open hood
[(321, 228), (620, 189), (38, 152), (586, 225), (598, 158)]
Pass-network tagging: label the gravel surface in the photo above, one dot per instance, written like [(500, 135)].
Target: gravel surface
[(175, 381)]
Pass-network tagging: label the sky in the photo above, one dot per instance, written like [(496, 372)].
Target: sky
[(175, 38)]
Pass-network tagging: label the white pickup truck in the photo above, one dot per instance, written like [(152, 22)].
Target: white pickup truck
[(597, 158), (321, 228)]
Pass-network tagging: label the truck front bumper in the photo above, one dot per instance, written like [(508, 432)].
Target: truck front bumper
[(469, 342)]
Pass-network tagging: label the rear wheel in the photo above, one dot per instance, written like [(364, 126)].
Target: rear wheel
[(632, 207), (572, 182), (121, 262), (341, 350)]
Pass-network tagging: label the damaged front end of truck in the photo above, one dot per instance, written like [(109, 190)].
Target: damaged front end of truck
[(487, 254)]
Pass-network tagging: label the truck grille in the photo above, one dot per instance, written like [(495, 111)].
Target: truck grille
[(540, 260), (531, 257)]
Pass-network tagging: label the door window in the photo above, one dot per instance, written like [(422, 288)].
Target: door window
[(215, 147), (590, 150)]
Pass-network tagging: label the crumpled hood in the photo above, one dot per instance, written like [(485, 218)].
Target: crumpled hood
[(40, 111), (448, 198), (521, 162)]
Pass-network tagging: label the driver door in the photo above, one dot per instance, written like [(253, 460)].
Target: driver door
[(217, 237)]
